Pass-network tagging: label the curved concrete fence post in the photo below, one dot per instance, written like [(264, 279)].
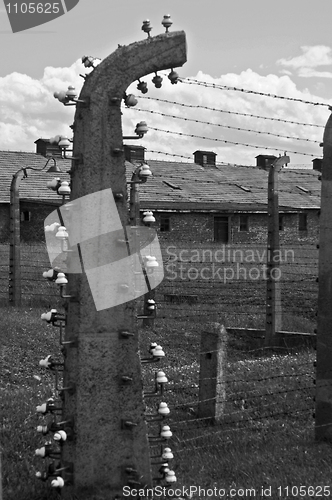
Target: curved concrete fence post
[(110, 447)]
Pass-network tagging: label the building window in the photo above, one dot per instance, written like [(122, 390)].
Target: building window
[(281, 222), (303, 222), (221, 229), (165, 223), (244, 223), (25, 216)]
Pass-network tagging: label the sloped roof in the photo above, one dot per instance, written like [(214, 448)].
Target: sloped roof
[(225, 187), (177, 185), (32, 188)]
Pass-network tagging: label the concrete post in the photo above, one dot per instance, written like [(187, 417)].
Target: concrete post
[(135, 221), (110, 446), (273, 295), (212, 387), (323, 424), (15, 286), (15, 283)]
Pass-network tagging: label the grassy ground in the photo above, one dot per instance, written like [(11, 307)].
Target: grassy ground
[(24, 341), (265, 438)]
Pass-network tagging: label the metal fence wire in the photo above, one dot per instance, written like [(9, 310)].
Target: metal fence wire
[(226, 282)]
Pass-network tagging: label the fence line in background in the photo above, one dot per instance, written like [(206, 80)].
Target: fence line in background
[(180, 291)]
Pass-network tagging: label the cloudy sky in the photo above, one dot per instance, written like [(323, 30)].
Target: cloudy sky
[(282, 48)]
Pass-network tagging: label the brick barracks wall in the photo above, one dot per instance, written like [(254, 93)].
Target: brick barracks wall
[(33, 230), (199, 228), (289, 234), (32, 221), (184, 227)]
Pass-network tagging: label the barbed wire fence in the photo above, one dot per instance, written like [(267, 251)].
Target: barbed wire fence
[(260, 390), (203, 284), (36, 290), (186, 302), (263, 390), (261, 387)]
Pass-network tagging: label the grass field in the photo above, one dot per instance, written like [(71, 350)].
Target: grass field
[(266, 436), (265, 439)]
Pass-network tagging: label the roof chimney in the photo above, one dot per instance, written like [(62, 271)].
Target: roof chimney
[(134, 153), (205, 158), (265, 161), (43, 147), (317, 164)]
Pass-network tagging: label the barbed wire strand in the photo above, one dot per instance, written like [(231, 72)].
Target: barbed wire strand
[(198, 106), (182, 134), (230, 127), (192, 81)]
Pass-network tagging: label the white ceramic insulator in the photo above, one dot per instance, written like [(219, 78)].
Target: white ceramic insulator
[(71, 92), (61, 279), (48, 274), (64, 188), (42, 428), (167, 454), (62, 233), (166, 432), (47, 316), (42, 408), (60, 436), (157, 352), (151, 262), (41, 452), (145, 171), (45, 363), (131, 100), (163, 409), (148, 217), (141, 128), (161, 378), (170, 477), (58, 482)]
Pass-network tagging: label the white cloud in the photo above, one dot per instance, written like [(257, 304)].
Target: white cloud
[(311, 57), (310, 72), (285, 72), (29, 111), (237, 102)]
